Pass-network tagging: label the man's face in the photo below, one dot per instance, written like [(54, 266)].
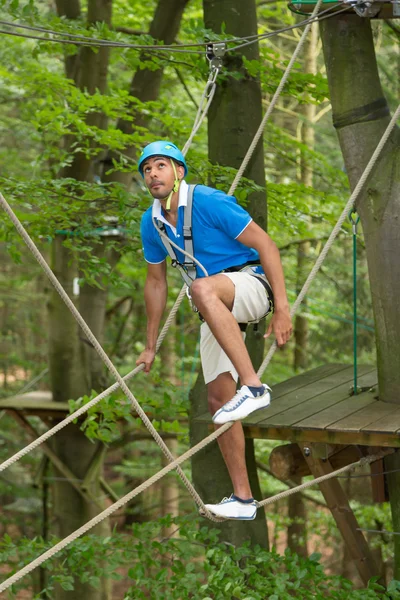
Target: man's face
[(159, 175)]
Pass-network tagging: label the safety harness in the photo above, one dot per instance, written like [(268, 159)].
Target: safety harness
[(187, 269)]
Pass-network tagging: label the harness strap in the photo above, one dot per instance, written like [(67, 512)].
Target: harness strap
[(187, 233), (187, 269), (263, 280)]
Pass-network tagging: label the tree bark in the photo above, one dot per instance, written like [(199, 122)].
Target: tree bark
[(146, 83), (73, 370), (229, 140), (361, 116)]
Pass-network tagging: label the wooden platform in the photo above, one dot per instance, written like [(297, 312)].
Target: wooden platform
[(33, 403), (317, 407)]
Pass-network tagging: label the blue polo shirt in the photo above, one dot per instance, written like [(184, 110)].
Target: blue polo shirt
[(217, 220)]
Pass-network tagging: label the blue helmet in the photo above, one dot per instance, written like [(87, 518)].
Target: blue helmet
[(162, 148)]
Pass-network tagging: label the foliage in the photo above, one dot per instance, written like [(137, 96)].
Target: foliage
[(46, 125), (194, 565)]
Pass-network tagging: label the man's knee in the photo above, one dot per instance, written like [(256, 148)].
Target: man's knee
[(200, 290)]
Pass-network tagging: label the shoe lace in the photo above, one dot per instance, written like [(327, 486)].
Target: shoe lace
[(236, 400)]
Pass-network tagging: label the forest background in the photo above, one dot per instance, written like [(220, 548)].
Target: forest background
[(73, 120)]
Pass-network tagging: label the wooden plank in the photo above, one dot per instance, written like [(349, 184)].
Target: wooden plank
[(325, 436), (40, 400), (364, 417), (386, 423), (350, 404), (280, 403), (331, 414), (346, 521), (290, 385), (303, 379), (294, 411)]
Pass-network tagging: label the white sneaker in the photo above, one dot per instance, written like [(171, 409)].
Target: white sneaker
[(242, 405), (233, 508)]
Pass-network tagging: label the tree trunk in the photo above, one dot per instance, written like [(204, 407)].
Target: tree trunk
[(146, 83), (229, 140), (69, 379), (73, 368), (361, 116), (92, 306)]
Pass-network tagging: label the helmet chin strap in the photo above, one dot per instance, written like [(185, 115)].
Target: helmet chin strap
[(175, 188)]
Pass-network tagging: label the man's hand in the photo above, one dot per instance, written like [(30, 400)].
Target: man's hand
[(146, 357), (281, 325)]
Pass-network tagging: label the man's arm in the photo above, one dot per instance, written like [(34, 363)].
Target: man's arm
[(255, 237), (155, 298)]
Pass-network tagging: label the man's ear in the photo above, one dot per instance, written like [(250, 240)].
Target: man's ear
[(180, 171)]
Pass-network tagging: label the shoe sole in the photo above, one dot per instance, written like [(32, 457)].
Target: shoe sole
[(250, 413), (202, 514)]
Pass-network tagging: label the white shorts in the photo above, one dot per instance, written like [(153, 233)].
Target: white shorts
[(250, 305)]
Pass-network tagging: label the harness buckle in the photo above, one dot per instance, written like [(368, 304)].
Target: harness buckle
[(192, 306)]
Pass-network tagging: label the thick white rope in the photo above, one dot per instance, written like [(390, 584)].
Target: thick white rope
[(205, 101), (97, 346), (365, 460), (273, 102), (80, 411), (208, 94), (109, 511), (225, 427), (336, 229)]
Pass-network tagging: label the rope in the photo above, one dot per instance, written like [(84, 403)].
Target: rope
[(207, 98), (156, 477), (97, 346), (274, 100), (365, 460), (110, 510), (336, 229), (174, 463), (80, 411), (201, 114)]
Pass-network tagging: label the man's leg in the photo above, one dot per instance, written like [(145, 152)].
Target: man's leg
[(232, 442), (214, 297)]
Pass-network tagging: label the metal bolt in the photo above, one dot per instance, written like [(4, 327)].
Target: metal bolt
[(307, 451)]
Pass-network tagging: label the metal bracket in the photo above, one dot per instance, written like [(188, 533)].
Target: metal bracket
[(215, 53), (396, 8), (367, 9)]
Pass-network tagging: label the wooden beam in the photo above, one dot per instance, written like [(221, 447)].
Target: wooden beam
[(52, 456), (341, 511), (287, 462)]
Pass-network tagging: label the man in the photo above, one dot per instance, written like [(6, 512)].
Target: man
[(224, 237)]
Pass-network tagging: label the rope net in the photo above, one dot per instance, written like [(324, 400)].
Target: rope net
[(121, 381)]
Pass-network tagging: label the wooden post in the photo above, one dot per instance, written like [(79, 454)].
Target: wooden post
[(339, 506)]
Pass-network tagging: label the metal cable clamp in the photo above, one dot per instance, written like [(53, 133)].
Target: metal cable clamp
[(214, 54)]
